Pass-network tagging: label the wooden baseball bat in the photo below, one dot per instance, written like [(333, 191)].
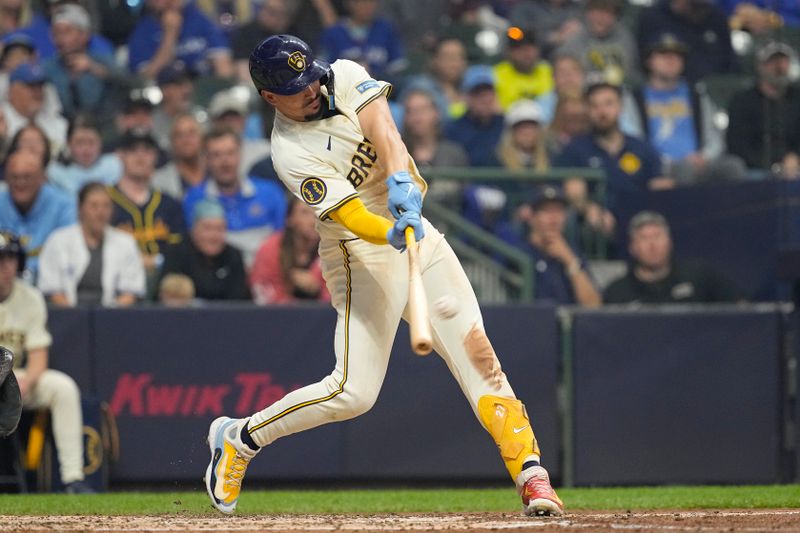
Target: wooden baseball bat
[(418, 320)]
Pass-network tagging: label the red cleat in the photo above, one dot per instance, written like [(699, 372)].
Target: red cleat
[(538, 496)]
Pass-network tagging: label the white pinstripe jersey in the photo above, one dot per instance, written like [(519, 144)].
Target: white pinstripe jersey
[(327, 162)]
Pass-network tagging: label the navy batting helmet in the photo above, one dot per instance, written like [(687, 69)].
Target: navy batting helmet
[(11, 245), (285, 64)]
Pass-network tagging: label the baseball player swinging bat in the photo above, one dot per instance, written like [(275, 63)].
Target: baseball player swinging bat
[(418, 320), (325, 116)]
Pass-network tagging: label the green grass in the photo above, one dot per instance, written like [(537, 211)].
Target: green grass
[(403, 501)]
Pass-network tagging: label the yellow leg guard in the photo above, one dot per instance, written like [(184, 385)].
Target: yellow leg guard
[(507, 422)]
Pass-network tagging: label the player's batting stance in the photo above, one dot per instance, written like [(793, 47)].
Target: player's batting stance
[(335, 146)]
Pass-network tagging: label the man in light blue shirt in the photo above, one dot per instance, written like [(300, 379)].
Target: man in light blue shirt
[(677, 118), (31, 208), (254, 207)]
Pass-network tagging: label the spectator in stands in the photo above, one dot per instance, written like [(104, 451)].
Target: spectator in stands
[(23, 330), (187, 166), (764, 127), (26, 104), (570, 120), (86, 81), (31, 138), (422, 133), (215, 268), (272, 18), (177, 91), (287, 267), (481, 127), (523, 145), (154, 219), (606, 47), (30, 207), (654, 276), (176, 30), (229, 109), (18, 48), (554, 21), (524, 74), (445, 70), (310, 18), (630, 164), (254, 207), (176, 290), (136, 114), (14, 14), (419, 33), (40, 31), (560, 271), (84, 160), (700, 25), (475, 24), (677, 118), (365, 38), (91, 263), (569, 79)]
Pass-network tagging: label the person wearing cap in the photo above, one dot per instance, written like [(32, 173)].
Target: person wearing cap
[(39, 30), (677, 118), (86, 81), (631, 165), (605, 46), (522, 145), (178, 31), (18, 48), (187, 165), (154, 219), (136, 113), (91, 263), (700, 25), (479, 130), (366, 38), (177, 94), (26, 103), (215, 267), (764, 126), (560, 272), (23, 330), (31, 207), (254, 207), (524, 74), (229, 109), (655, 276)]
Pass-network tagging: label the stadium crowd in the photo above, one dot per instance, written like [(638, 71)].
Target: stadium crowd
[(136, 157)]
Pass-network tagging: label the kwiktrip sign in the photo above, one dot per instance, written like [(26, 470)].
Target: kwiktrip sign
[(143, 395)]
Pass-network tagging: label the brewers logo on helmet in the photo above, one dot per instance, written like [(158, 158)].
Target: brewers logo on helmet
[(285, 64)]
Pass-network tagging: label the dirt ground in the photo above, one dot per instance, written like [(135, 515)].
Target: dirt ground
[(704, 521)]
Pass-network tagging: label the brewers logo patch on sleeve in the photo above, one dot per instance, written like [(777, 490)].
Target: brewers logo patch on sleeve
[(313, 190)]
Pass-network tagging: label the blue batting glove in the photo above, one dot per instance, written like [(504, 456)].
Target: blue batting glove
[(403, 194), (397, 233)]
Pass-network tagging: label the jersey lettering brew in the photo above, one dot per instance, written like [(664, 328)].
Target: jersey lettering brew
[(328, 162)]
